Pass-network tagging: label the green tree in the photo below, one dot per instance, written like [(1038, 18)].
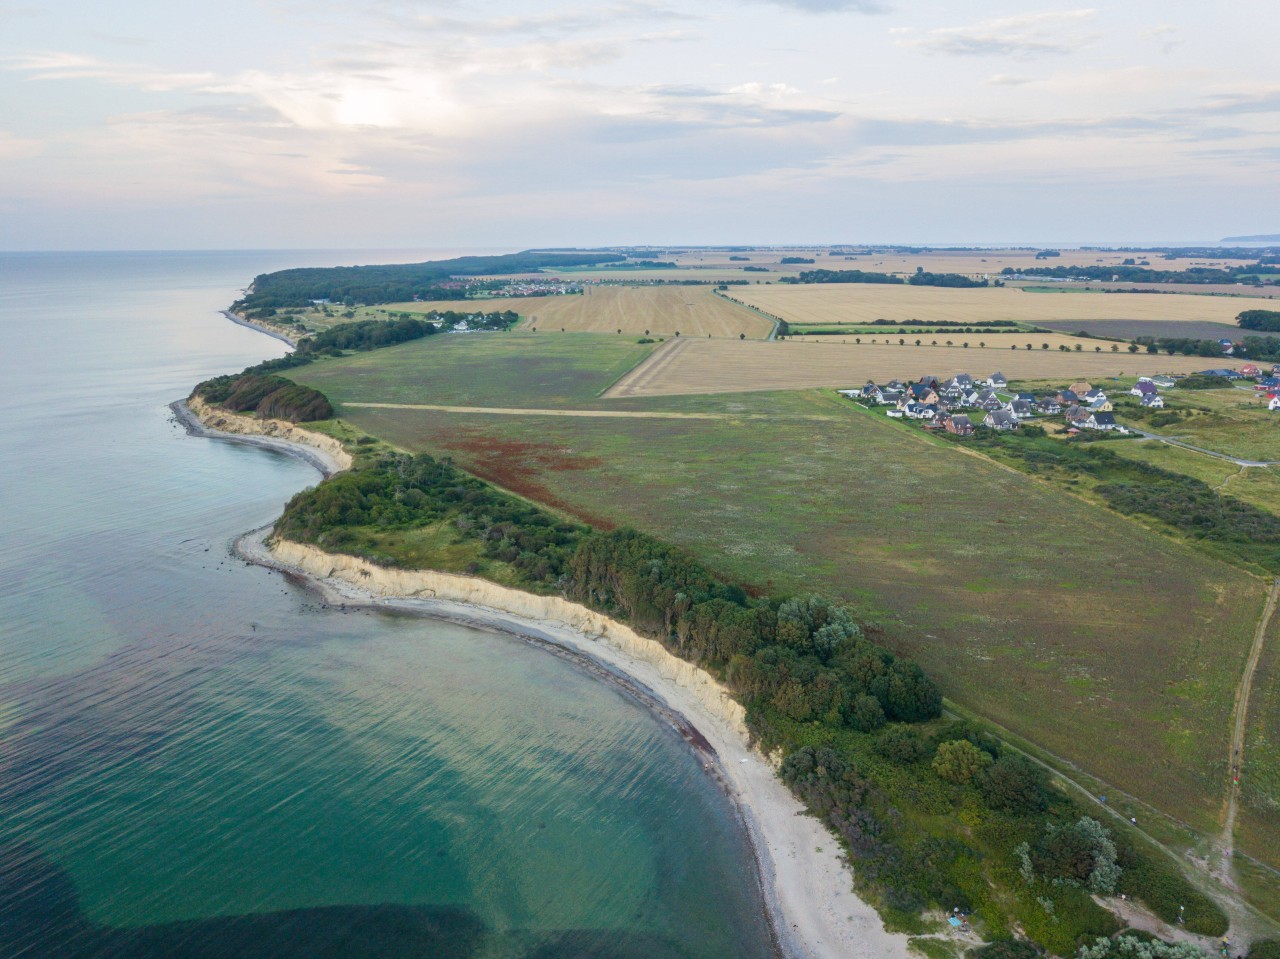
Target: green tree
[(959, 761), (1014, 783)]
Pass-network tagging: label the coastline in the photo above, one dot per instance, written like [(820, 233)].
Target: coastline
[(271, 331), (807, 887)]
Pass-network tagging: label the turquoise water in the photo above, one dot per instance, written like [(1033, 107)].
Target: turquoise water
[(198, 759)]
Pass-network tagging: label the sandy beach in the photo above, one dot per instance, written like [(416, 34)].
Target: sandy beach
[(803, 875)]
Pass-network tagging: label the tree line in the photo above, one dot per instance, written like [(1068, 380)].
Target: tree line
[(399, 282)]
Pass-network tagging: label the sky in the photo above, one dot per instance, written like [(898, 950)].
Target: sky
[(168, 124)]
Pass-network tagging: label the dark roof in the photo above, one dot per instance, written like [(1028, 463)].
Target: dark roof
[(1104, 418), (1068, 396)]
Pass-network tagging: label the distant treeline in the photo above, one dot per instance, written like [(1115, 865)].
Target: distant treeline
[(1268, 321), (1139, 274), (396, 283), (1266, 348), (936, 814), (859, 276)]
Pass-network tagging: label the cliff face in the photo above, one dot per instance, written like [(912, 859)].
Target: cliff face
[(227, 422), (427, 584)]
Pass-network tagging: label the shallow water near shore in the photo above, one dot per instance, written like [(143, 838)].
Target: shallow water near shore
[(198, 759)]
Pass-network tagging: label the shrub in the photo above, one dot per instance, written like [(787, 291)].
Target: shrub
[(959, 761)]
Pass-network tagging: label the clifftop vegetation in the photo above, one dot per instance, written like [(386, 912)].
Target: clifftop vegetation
[(397, 283)]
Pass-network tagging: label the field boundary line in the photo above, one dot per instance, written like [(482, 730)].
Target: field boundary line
[(643, 372)]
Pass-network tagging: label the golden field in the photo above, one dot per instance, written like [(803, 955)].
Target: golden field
[(688, 366), (867, 302), (693, 311)]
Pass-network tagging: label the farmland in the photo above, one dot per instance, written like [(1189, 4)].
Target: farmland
[(721, 366), (1128, 329), (1021, 601), (1258, 814), (864, 303), (636, 310)]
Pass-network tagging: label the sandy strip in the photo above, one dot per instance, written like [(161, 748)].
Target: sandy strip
[(806, 883), (274, 332)]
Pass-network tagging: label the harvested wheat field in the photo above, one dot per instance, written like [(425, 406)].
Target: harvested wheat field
[(867, 302), (688, 366), (636, 310)]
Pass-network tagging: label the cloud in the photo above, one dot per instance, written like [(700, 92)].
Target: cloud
[(831, 6), (1025, 37), (1164, 34), (1008, 80)]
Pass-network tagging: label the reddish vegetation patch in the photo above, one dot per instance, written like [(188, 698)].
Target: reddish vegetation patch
[(513, 464)]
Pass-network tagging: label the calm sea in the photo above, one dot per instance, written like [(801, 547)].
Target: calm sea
[(198, 760)]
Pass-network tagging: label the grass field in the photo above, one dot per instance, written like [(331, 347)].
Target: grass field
[(865, 302), (721, 366), (1101, 641), (1258, 813), (482, 369), (1231, 421)]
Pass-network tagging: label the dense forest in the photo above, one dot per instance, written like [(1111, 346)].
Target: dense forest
[(935, 813), (921, 278), (396, 283), (270, 397)]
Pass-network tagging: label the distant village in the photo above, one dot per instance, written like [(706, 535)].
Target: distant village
[(963, 403)]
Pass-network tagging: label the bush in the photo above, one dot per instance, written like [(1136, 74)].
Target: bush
[(902, 744), (1265, 949), (959, 761), (1014, 783)]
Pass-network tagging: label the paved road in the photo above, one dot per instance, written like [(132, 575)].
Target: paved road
[(1201, 449)]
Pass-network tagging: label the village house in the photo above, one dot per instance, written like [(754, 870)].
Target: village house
[(1094, 395), (1250, 370), (961, 381), (988, 400), (1164, 382), (1268, 384), (960, 425), (1153, 401), (921, 393), (1143, 388), (1068, 397), (1100, 421), (997, 381), (1101, 405), (1274, 403), (1081, 387), (1047, 404), (918, 411), (1076, 416), (1000, 420), (1020, 408)]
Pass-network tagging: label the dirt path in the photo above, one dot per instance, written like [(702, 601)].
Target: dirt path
[(1235, 757), (603, 414), (639, 378), (1226, 842)]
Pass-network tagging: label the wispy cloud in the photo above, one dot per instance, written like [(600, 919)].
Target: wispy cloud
[(1024, 37), (831, 6)]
